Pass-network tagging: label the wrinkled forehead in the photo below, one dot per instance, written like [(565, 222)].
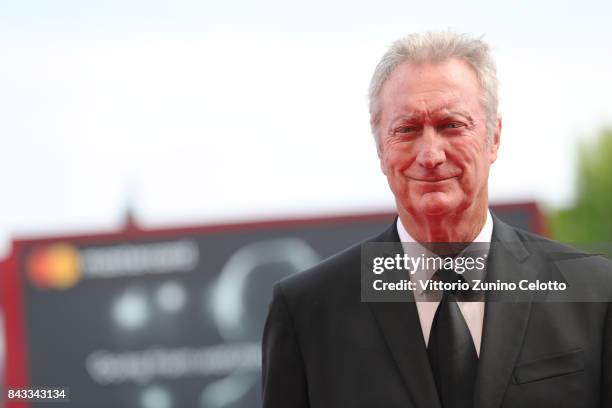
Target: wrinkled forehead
[(422, 112), (431, 111), (431, 91)]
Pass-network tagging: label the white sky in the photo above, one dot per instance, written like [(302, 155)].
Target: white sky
[(203, 111)]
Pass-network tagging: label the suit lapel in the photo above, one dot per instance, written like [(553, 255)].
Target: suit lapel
[(401, 329), (399, 323), (506, 320)]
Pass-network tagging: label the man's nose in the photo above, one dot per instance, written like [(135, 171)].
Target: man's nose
[(430, 149)]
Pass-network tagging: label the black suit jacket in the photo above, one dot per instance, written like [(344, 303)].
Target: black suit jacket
[(324, 348)]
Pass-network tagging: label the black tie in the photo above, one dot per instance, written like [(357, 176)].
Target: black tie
[(451, 350)]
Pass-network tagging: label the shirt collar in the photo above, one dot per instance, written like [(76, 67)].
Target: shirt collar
[(413, 248), (484, 235)]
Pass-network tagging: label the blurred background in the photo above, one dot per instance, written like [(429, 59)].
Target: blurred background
[(163, 163)]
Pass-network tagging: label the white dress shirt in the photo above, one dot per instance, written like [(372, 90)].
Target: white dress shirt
[(473, 312)]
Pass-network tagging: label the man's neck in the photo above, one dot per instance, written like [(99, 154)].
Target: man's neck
[(463, 227)]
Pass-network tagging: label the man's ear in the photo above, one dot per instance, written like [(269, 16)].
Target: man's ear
[(496, 140)]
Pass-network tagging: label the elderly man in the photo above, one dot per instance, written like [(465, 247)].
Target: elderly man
[(433, 106)]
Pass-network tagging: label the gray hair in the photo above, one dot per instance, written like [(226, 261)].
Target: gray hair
[(436, 47)]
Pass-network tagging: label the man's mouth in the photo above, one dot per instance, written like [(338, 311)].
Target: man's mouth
[(432, 179)]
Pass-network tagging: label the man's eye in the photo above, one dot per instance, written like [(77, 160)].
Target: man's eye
[(405, 129), (453, 125)]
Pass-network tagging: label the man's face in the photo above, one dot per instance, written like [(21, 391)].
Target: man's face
[(433, 142)]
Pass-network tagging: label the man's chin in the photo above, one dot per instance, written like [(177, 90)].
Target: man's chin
[(436, 204)]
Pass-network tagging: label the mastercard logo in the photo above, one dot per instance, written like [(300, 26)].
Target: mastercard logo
[(56, 266)]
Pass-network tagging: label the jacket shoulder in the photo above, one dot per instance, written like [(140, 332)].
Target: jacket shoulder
[(334, 280), (338, 268), (571, 261), (560, 251)]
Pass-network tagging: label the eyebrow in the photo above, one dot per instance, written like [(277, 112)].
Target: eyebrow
[(464, 115), (439, 113)]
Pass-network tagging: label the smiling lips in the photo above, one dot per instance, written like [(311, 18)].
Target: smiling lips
[(432, 179)]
